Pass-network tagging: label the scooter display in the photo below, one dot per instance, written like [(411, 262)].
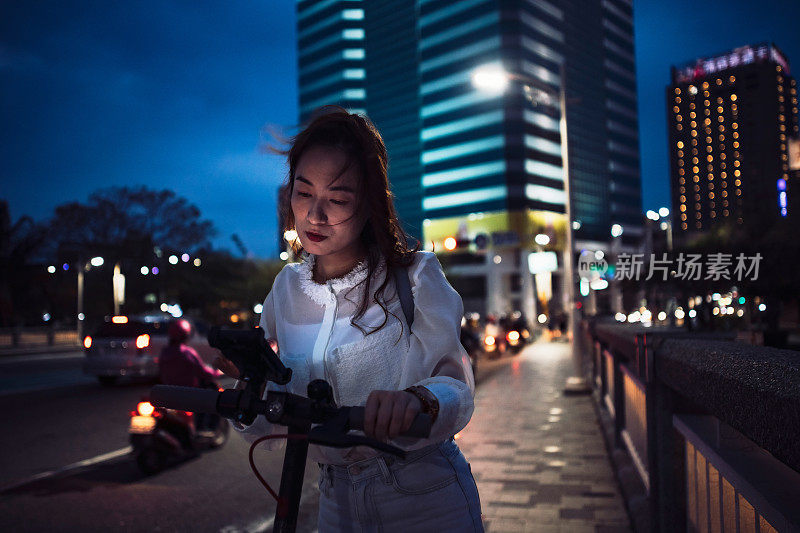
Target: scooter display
[(160, 436)]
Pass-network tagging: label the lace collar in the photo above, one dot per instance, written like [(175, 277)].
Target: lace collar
[(321, 292)]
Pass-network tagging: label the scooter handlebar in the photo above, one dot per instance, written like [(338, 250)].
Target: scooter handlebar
[(205, 401), (189, 399)]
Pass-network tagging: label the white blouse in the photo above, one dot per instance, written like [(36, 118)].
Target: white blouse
[(311, 322)]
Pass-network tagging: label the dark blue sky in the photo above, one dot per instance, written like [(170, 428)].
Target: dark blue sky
[(176, 94)]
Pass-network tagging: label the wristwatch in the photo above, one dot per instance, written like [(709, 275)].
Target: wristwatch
[(430, 404)]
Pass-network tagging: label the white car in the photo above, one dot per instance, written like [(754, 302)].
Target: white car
[(130, 346)]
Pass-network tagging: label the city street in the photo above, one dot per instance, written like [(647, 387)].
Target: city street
[(67, 467)]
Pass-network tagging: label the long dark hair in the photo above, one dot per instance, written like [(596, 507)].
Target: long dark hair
[(383, 235)]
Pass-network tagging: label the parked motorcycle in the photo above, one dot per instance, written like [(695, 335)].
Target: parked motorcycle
[(471, 341), (161, 436)]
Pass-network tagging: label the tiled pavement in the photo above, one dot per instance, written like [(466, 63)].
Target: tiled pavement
[(537, 455)]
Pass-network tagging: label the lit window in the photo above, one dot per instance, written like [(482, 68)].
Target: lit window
[(678, 100), (719, 81), (738, 183), (737, 172), (680, 144), (693, 124), (695, 160), (676, 109), (677, 90), (692, 90), (733, 97), (691, 106), (679, 118), (719, 109), (695, 170), (732, 79), (692, 114), (710, 158), (706, 94), (705, 85), (735, 144)]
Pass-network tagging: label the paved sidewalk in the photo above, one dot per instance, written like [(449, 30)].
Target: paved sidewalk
[(538, 456)]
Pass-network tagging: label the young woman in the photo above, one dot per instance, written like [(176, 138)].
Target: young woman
[(337, 316)]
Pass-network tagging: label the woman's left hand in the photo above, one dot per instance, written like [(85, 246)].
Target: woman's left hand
[(389, 413)]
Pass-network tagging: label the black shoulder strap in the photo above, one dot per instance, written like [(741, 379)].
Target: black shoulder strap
[(403, 285)]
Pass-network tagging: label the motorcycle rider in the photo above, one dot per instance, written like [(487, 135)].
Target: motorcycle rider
[(180, 364)]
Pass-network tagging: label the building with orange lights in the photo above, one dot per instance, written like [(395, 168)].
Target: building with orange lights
[(732, 119)]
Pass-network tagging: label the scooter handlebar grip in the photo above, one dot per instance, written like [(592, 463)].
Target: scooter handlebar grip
[(420, 426), (184, 398)]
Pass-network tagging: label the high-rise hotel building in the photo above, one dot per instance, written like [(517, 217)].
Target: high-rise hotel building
[(486, 167), (731, 119)]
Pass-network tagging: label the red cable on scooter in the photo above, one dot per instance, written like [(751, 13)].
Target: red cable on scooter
[(283, 504)]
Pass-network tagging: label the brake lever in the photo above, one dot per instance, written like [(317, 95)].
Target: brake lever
[(333, 433)]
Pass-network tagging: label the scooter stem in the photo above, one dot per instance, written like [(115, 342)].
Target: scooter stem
[(294, 466)]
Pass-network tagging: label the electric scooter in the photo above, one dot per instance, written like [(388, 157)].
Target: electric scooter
[(258, 364)]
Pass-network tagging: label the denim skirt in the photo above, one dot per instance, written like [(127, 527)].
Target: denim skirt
[(432, 489)]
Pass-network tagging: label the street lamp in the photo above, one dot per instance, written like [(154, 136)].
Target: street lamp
[(493, 79), (84, 266)]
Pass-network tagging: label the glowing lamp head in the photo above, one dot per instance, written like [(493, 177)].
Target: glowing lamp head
[(87, 342), (490, 79), (489, 340), (513, 336), (450, 243)]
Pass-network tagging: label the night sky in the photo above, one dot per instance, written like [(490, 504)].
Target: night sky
[(177, 94)]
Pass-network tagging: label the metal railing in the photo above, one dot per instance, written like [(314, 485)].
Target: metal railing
[(712, 426)]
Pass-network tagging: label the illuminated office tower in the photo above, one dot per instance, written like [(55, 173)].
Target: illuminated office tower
[(330, 41), (486, 168), (731, 120)]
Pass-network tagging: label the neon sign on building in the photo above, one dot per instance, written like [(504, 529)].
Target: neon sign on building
[(743, 55)]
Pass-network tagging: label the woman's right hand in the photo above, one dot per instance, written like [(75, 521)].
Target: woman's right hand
[(227, 367)]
